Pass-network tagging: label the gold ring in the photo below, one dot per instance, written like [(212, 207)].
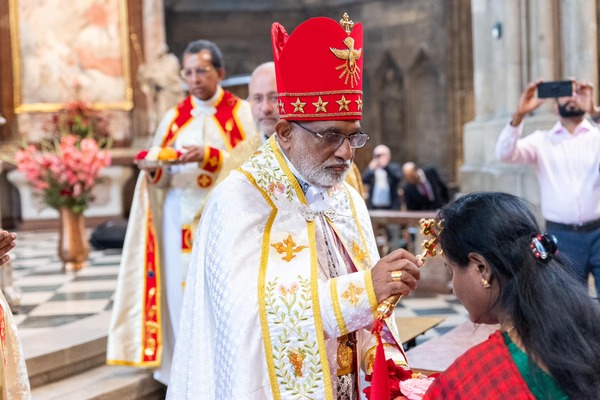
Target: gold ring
[(397, 276)]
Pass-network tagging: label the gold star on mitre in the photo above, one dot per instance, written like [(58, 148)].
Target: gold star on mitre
[(343, 103), (298, 105), (281, 107), (359, 103), (320, 105)]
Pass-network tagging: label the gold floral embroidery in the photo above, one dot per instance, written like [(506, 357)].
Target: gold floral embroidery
[(288, 290), (360, 254), (288, 246), (352, 294), (296, 358), (290, 309)]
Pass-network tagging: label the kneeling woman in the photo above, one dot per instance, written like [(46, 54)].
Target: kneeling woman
[(505, 272)]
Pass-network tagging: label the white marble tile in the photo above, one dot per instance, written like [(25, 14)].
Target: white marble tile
[(99, 270), (85, 286), (420, 303), (43, 280), (32, 298), (69, 307)]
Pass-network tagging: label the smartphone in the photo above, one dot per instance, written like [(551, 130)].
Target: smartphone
[(555, 89)]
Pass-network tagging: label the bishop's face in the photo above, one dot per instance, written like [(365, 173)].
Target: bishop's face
[(322, 163)]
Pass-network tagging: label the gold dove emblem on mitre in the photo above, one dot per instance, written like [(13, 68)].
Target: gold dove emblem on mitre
[(349, 55)]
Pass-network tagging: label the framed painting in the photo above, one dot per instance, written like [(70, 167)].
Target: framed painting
[(65, 50)]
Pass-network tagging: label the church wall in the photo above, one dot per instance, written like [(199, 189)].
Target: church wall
[(408, 64)]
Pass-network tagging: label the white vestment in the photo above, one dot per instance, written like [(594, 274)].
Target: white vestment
[(261, 314), (158, 242)]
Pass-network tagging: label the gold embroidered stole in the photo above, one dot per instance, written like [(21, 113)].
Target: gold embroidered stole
[(290, 314)]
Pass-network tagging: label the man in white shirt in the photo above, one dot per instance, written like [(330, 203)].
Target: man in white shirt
[(567, 161), (382, 177)]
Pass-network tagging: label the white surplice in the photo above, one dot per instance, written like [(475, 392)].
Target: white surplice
[(261, 315)]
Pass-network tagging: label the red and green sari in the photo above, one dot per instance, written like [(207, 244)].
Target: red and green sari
[(494, 369)]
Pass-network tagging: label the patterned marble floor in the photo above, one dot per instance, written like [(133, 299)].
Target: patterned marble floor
[(51, 297)]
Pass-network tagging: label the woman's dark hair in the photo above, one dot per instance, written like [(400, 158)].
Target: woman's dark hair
[(216, 57), (556, 319)]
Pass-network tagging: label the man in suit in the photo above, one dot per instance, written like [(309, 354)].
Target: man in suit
[(424, 189), (382, 177)]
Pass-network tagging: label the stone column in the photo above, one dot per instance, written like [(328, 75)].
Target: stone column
[(580, 43), (154, 28)]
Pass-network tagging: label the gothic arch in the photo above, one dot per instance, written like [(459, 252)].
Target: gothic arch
[(391, 107), (427, 119)]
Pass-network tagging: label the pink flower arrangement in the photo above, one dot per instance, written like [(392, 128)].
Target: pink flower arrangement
[(64, 172)]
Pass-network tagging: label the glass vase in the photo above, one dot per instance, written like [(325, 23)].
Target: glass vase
[(73, 246)]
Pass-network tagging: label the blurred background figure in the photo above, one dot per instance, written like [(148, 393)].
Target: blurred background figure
[(424, 189), (382, 180)]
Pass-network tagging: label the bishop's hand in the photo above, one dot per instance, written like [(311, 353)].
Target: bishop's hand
[(387, 282)]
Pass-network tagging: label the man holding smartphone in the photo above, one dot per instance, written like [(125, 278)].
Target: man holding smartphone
[(567, 161)]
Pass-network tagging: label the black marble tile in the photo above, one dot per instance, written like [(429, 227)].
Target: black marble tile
[(101, 263), (57, 272), (99, 295), (40, 288), (112, 277), (51, 321), (24, 309), (112, 252), (444, 329)]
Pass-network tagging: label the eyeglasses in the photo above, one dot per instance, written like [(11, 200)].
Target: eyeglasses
[(201, 71), (259, 98), (333, 139)]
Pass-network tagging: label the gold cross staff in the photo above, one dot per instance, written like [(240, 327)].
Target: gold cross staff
[(428, 228)]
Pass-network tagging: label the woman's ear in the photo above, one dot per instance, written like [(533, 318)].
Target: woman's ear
[(480, 262)]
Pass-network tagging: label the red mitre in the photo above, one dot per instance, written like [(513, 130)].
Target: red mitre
[(319, 69)]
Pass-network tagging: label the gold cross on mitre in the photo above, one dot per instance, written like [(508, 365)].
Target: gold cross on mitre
[(346, 23)]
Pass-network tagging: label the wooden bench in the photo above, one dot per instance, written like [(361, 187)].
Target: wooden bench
[(436, 354), (412, 327)]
